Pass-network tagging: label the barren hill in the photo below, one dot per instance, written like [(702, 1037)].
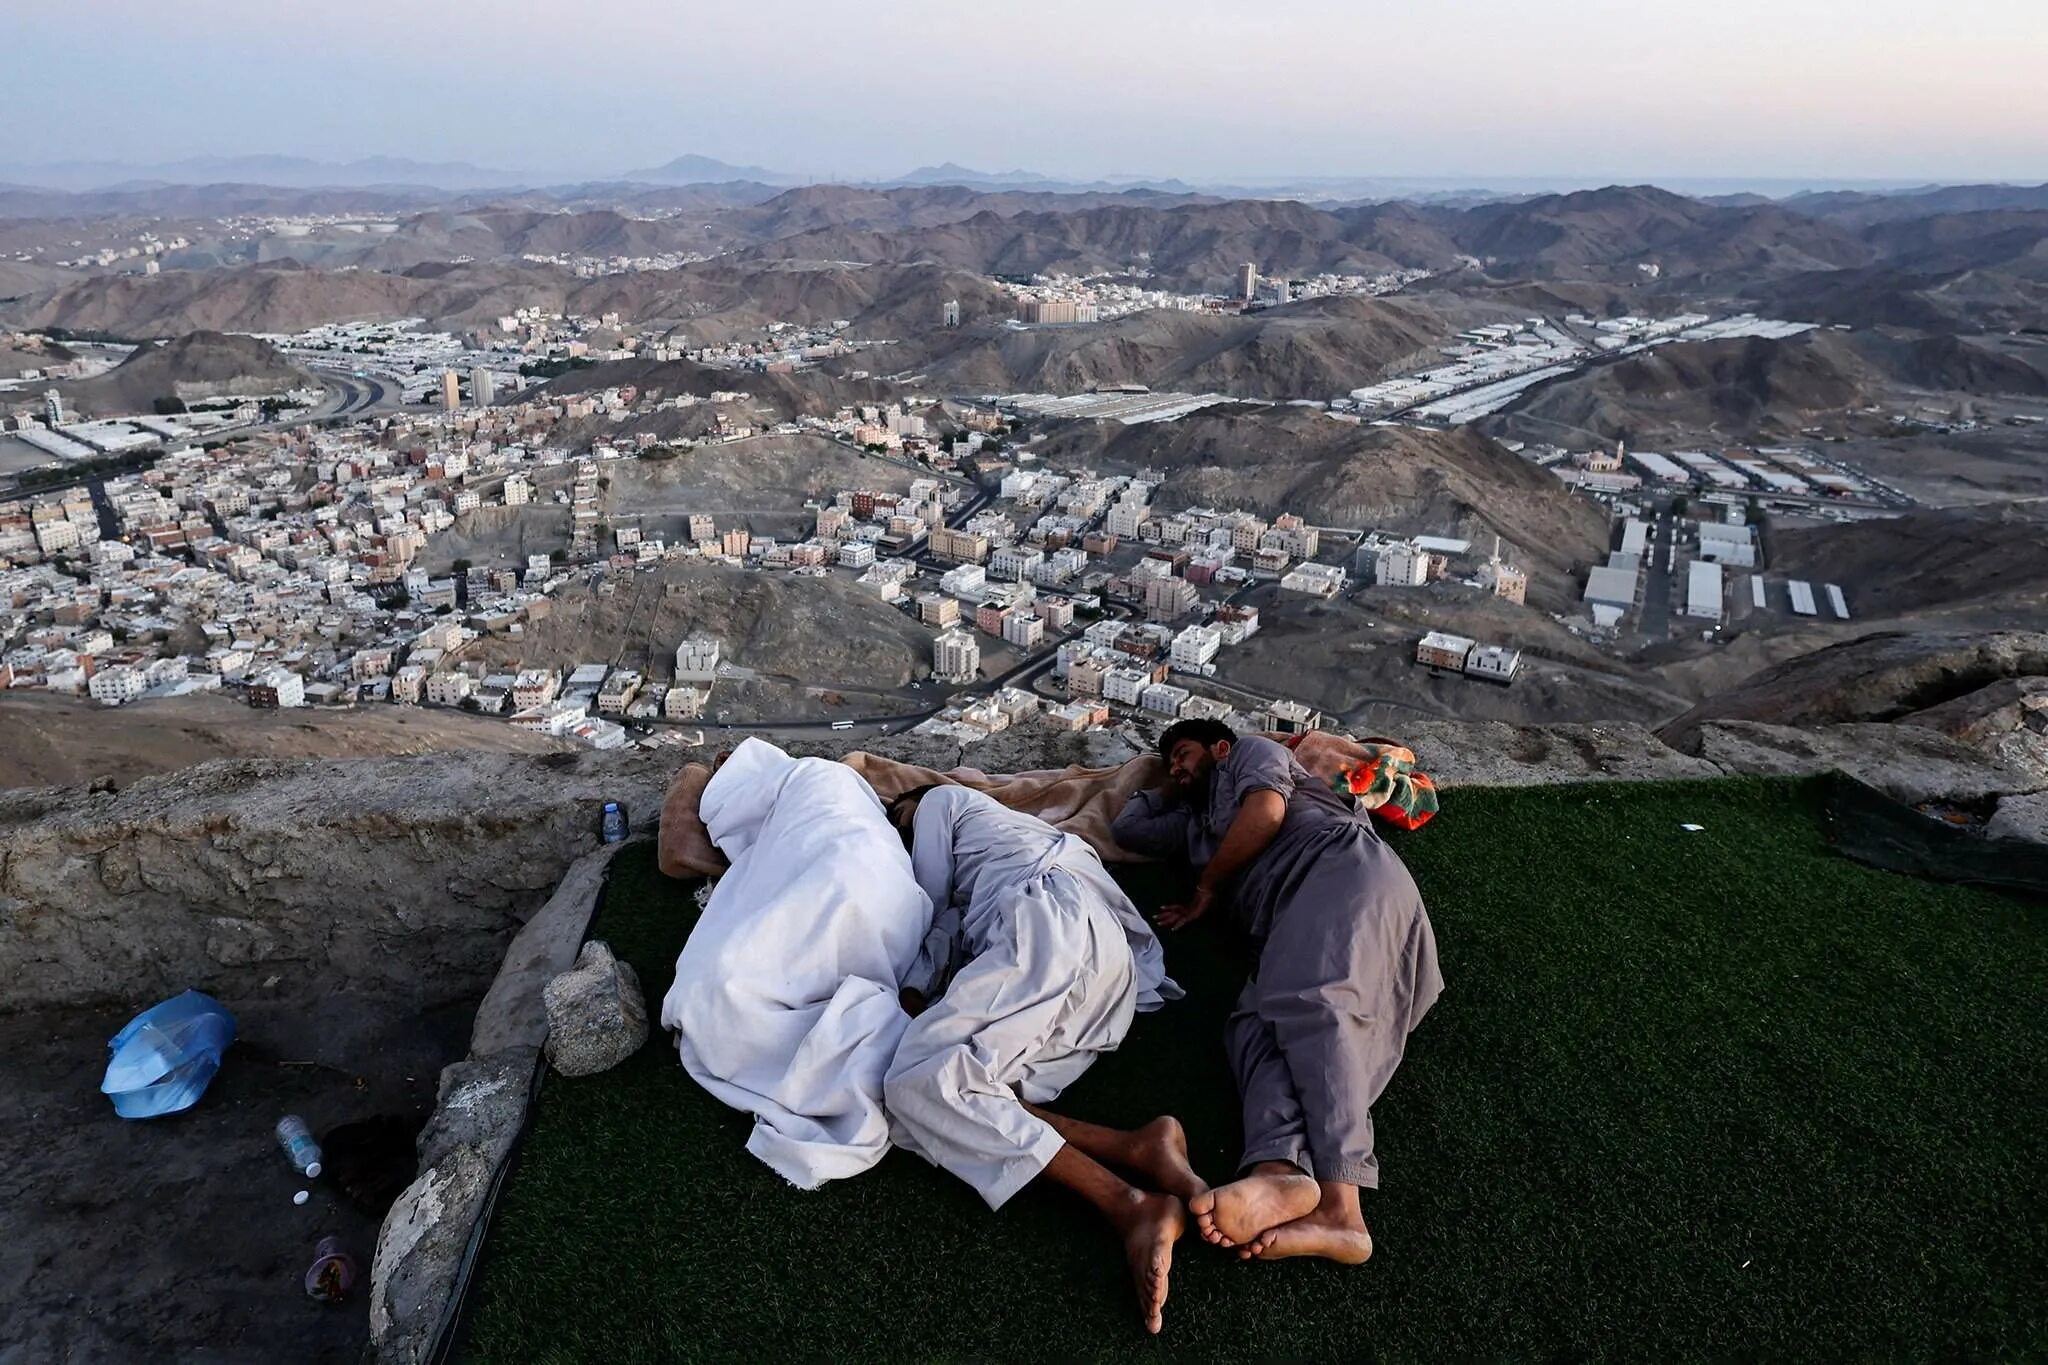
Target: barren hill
[(55, 741), (1317, 349), (1758, 387), (1338, 474), (797, 633), (194, 366), (1606, 233), (1990, 561)]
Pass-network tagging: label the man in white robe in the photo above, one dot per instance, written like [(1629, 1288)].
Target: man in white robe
[(1036, 962), (785, 1000)]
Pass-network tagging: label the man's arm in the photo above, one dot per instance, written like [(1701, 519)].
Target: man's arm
[(1258, 820), (1153, 822)]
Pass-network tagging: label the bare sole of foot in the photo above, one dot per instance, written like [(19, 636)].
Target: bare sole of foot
[(1310, 1237), (1149, 1236), (1232, 1215), (1163, 1159)]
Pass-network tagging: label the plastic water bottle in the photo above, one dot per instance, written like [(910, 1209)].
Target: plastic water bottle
[(297, 1140), (614, 823)]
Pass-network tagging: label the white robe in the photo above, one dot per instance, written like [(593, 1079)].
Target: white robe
[(785, 997), (1052, 962)]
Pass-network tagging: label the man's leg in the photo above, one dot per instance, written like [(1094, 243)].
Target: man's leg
[(1149, 1224), (948, 1103), (1348, 969), (1273, 1184), (1158, 1151)]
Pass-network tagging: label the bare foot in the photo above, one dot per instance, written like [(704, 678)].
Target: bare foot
[(1332, 1236), (1162, 1158), (1154, 1224), (1236, 1213)]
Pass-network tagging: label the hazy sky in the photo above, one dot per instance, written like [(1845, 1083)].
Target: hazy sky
[(1601, 89)]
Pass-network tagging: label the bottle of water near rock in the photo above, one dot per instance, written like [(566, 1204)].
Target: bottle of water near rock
[(297, 1140), (615, 827)]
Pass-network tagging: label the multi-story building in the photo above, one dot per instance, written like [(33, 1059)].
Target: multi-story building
[(277, 688), (535, 687), (409, 685), (1125, 685), (1163, 699), (1315, 580), (684, 703), (934, 609), (959, 547), (956, 657), (1401, 564), (451, 391), (968, 582), (1439, 649), (116, 684), (1056, 612), (449, 689), (856, 554), (1168, 599), (1014, 562), (697, 660), (1023, 630), (1195, 646), (1085, 677)]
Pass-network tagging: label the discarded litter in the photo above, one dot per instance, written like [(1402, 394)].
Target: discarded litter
[(302, 1196), (165, 1057), (1692, 829), (297, 1140), (615, 826), (333, 1272)]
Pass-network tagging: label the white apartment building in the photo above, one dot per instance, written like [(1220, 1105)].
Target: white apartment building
[(449, 689), (1125, 518), (1402, 564), (856, 554), (1195, 646), (1315, 580), (1125, 685), (1014, 562), (1164, 698), (956, 657), (969, 582), (118, 684), (518, 492), (697, 660), (1023, 630)]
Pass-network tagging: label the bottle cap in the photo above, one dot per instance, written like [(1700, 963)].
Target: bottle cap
[(302, 1196), (313, 1170), (611, 805)]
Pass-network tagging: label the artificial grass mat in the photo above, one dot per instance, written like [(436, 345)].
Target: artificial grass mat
[(1686, 1096)]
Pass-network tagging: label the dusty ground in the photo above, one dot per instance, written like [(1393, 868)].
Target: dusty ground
[(176, 1238), (61, 741)]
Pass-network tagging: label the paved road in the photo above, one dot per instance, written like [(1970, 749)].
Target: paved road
[(1654, 619)]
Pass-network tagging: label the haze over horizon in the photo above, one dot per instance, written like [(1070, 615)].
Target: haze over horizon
[(1593, 92)]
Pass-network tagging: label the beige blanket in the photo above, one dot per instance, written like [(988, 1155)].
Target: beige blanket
[(1081, 801)]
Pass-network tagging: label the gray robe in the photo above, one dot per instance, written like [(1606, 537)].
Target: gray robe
[(1036, 963), (1346, 958)]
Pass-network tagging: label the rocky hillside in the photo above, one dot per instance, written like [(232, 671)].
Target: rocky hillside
[(189, 368), (60, 741), (1340, 474)]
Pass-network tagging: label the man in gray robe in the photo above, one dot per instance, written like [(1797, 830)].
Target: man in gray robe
[(1035, 964), (1346, 967)]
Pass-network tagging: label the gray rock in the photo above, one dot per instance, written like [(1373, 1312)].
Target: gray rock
[(597, 1016), (1492, 754), (1905, 761), (425, 1236), (2020, 817)]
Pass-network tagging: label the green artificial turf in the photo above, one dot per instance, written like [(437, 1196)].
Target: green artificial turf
[(1686, 1096)]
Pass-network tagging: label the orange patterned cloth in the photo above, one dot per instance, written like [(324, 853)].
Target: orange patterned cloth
[(1378, 772)]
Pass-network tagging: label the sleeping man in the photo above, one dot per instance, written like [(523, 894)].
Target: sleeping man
[(1346, 969), (1035, 963)]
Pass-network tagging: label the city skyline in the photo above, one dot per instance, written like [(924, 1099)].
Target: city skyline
[(1484, 90)]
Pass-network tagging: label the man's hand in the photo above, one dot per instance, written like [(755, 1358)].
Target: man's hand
[(1180, 916)]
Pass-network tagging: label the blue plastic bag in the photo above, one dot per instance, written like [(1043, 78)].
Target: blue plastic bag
[(162, 1061)]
